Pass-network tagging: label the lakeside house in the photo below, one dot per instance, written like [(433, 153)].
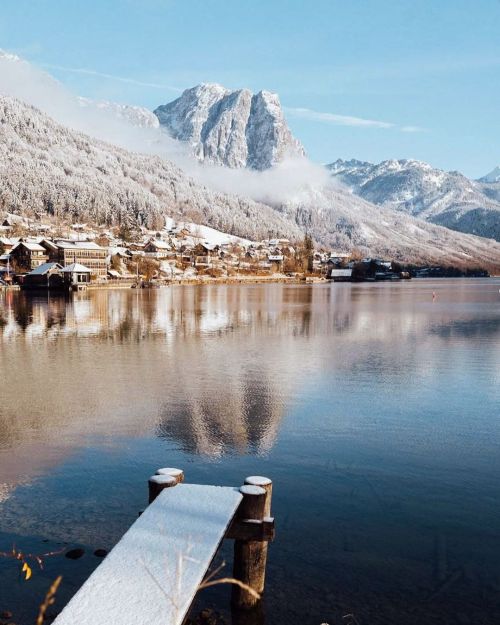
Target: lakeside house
[(156, 248), (53, 276), (26, 256)]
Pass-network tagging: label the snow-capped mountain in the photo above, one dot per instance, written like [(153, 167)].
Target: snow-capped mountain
[(445, 198), (135, 115), (493, 176), (231, 128), (46, 168)]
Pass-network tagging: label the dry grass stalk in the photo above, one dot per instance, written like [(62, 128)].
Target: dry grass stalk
[(49, 600), (210, 581)]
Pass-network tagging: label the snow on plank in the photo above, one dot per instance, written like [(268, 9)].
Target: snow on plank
[(153, 573)]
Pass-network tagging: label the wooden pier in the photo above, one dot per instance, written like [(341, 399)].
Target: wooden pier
[(154, 572)]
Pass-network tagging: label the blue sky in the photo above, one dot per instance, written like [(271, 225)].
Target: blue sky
[(369, 79)]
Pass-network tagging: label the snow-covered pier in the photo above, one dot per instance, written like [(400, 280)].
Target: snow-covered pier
[(154, 572)]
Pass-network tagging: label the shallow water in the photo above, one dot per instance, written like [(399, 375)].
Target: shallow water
[(374, 408)]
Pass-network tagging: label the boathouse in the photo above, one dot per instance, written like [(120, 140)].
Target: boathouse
[(46, 276), (339, 275), (76, 275)]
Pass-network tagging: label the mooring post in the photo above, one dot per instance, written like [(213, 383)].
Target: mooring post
[(249, 564), (177, 473), (160, 481), (261, 554)]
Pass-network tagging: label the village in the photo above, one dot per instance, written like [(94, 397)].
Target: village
[(36, 256), (80, 256)]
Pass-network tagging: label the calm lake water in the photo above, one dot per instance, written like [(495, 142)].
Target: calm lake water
[(374, 408)]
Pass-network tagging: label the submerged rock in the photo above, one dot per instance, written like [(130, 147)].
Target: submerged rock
[(75, 554), (101, 553)]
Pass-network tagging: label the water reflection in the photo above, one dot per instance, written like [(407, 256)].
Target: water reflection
[(374, 407), (216, 367)]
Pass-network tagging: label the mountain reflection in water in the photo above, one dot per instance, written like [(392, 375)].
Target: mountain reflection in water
[(373, 407)]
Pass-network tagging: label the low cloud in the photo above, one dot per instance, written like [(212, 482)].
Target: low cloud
[(288, 181), (346, 120)]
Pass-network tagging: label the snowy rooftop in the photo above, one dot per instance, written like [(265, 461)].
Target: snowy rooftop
[(76, 268), (33, 247), (85, 245), (45, 268), (161, 245)]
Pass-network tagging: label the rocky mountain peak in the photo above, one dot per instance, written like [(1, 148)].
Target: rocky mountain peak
[(231, 128)]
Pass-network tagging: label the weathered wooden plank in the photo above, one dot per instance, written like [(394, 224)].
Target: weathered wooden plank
[(252, 529), (153, 573)]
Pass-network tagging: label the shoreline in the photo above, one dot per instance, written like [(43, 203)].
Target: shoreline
[(221, 280), (207, 280)]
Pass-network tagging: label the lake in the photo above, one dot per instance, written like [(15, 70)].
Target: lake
[(375, 409)]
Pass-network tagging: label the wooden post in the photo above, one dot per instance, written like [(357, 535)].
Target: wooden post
[(249, 566), (157, 483), (261, 554), (267, 485), (177, 473)]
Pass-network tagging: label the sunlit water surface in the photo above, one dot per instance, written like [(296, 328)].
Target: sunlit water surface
[(374, 408)]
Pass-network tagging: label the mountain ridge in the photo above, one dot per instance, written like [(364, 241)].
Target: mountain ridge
[(414, 187)]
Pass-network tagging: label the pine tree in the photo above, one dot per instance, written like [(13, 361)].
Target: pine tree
[(309, 252)]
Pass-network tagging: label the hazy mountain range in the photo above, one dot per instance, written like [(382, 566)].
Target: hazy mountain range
[(413, 187), (493, 176)]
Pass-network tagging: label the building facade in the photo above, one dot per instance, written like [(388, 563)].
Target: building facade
[(25, 256), (86, 253)]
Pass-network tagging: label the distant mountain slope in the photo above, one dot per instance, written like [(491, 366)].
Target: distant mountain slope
[(493, 176), (135, 115), (344, 221), (231, 128), (47, 168), (490, 184), (445, 198)]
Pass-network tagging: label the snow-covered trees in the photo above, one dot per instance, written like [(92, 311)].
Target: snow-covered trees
[(47, 168)]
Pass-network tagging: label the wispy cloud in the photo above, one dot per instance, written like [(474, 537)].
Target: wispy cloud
[(333, 118), (412, 129), (347, 120), (92, 72)]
